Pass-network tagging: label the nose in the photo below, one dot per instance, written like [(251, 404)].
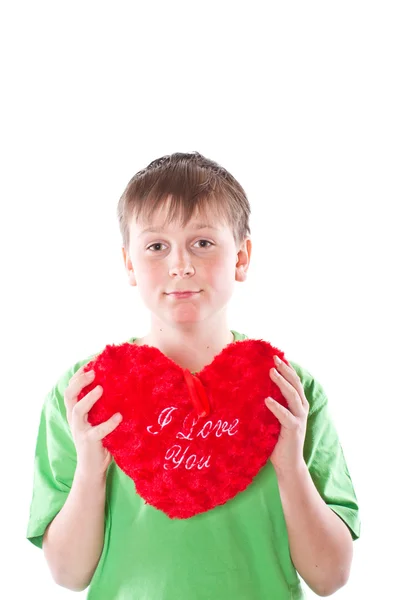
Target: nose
[(181, 265)]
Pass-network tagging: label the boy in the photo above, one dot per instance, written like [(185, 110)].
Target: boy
[(184, 225)]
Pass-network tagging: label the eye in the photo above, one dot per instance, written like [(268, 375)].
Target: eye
[(160, 244), (206, 241), (157, 244)]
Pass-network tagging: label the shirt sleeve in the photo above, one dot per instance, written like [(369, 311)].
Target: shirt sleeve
[(324, 456), (55, 462)]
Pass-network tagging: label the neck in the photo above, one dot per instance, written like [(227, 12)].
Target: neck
[(191, 347)]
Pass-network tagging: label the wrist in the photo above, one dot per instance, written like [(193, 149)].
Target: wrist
[(84, 476), (296, 470)]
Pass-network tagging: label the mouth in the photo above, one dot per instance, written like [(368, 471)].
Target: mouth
[(186, 294)]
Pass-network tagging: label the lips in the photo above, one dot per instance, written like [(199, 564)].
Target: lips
[(182, 294)]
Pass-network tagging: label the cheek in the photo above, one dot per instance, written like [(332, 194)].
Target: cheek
[(220, 272), (148, 272)]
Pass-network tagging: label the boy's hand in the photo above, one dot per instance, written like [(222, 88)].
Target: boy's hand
[(288, 452), (92, 458)]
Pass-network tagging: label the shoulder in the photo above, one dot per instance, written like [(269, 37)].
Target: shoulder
[(313, 389), (64, 378), (54, 405), (57, 392)]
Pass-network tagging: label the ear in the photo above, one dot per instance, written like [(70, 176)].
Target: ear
[(129, 267), (243, 259)]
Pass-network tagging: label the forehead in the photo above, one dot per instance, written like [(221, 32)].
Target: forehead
[(162, 219)]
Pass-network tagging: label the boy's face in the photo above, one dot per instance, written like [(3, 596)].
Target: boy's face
[(205, 261)]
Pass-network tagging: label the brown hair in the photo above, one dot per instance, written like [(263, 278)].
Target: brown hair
[(193, 182)]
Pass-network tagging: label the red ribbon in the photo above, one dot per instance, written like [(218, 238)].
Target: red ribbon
[(197, 393)]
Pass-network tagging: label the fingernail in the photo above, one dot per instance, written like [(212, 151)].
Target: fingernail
[(277, 360)]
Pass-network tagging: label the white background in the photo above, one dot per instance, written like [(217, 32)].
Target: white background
[(300, 101)]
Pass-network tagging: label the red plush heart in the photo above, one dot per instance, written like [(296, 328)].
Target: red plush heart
[(189, 442)]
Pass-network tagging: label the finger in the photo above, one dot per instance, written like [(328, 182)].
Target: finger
[(76, 385), (82, 408), (289, 392), (103, 429), (284, 416), (291, 375), (83, 369)]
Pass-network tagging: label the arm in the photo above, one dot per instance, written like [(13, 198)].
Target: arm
[(320, 543), (73, 541)]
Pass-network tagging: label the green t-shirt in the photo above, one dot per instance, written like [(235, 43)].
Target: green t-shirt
[(239, 550)]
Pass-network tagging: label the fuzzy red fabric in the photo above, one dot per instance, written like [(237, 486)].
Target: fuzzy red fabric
[(189, 442)]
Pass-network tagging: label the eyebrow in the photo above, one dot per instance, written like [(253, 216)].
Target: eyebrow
[(196, 226)]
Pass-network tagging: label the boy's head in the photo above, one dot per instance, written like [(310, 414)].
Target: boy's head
[(194, 182), (176, 194)]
